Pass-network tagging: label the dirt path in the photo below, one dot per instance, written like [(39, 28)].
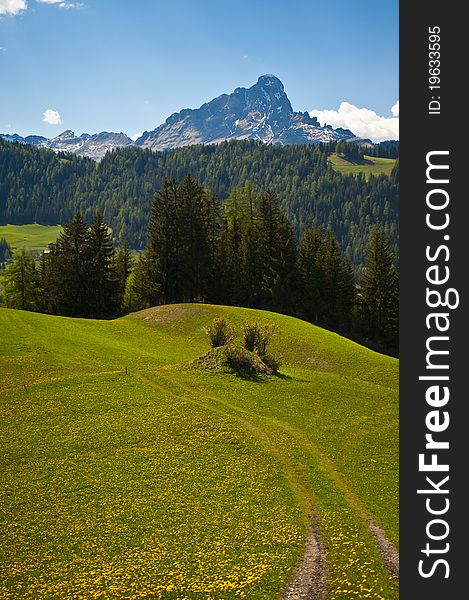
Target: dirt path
[(388, 552), (310, 578)]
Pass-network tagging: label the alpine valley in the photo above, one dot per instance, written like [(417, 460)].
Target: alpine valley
[(262, 112)]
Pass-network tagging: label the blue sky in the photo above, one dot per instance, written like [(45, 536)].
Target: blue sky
[(126, 65)]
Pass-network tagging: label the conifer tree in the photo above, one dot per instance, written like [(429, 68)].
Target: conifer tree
[(337, 288), (102, 284), (69, 273), (163, 239), (239, 215), (379, 292), (20, 282), (124, 263), (310, 276), (5, 252), (143, 287)]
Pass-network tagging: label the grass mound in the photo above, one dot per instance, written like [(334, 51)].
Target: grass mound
[(233, 358)]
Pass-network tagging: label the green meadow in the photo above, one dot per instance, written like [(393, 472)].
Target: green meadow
[(31, 237), (128, 473), (375, 166)]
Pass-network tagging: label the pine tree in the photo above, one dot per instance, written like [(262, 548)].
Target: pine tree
[(70, 273), (239, 215), (103, 283), (310, 275), (20, 282), (163, 239), (379, 292), (143, 288), (124, 263), (5, 252), (197, 222), (337, 288)]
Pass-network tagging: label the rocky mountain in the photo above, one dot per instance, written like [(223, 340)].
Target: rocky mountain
[(94, 146), (34, 140), (262, 112)]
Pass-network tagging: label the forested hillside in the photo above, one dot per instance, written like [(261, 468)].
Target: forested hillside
[(37, 185)]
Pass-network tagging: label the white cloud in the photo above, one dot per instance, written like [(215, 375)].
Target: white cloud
[(12, 7), (62, 4), (52, 117), (136, 135), (363, 122)]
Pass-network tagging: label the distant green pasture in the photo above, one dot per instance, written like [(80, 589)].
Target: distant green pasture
[(32, 237), (376, 166)]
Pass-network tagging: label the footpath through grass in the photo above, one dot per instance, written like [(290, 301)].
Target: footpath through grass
[(171, 482)]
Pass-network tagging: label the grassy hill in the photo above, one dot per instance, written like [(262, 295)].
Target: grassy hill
[(128, 473), (375, 166), (32, 237)]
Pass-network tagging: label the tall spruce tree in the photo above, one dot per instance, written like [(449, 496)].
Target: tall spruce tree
[(163, 241), (239, 214), (70, 271), (80, 279), (379, 293), (20, 282), (337, 288), (198, 217), (310, 275), (103, 282), (277, 254), (124, 263), (5, 252)]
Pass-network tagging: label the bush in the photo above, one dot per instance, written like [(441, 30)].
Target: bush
[(219, 332), (272, 363), (243, 362), (257, 337), (248, 358)]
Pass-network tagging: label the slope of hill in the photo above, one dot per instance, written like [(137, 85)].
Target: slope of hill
[(127, 472)]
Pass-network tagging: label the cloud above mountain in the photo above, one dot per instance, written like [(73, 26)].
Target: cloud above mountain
[(52, 117), (364, 122)]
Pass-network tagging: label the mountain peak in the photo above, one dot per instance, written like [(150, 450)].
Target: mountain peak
[(270, 80), (262, 112), (68, 134)]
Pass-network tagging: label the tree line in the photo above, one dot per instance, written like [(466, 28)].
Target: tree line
[(38, 185), (242, 252)]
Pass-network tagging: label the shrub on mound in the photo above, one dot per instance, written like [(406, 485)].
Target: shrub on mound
[(246, 358), (243, 362), (257, 337), (235, 359), (219, 332)]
